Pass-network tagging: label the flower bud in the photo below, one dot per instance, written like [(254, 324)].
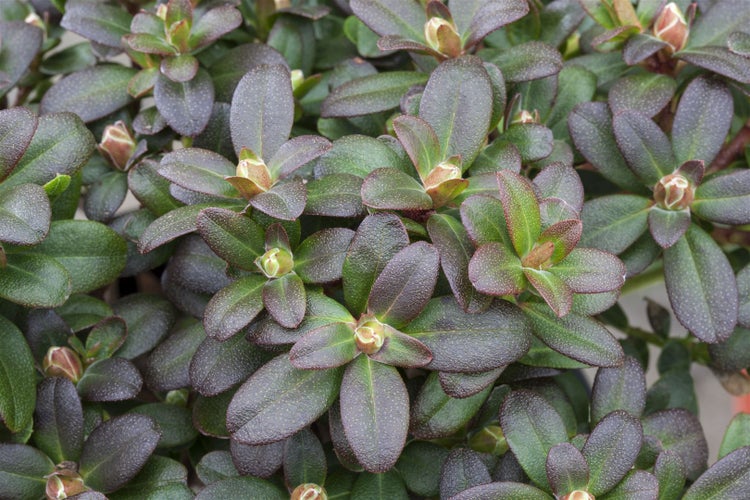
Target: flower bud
[(297, 77), (369, 335), (62, 362), (671, 27), (674, 192), (578, 495), (64, 483), (252, 175), (524, 116), (161, 11), (444, 171), (490, 439), (540, 256), (34, 20), (309, 491), (275, 263), (441, 35), (117, 145)]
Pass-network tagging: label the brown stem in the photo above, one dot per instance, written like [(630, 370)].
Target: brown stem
[(732, 149)]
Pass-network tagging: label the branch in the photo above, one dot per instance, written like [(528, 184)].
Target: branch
[(732, 149)]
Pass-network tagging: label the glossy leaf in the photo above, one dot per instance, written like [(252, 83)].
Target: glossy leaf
[(262, 111), (435, 414), (462, 342), (370, 94), (531, 427), (24, 215), (116, 450), (34, 281), (217, 366), (701, 286), (17, 378), (619, 388), (611, 450), (375, 413), (111, 379), (234, 307), (645, 147), (278, 400), (457, 103)]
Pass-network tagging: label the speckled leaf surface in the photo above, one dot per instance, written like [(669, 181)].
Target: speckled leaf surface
[(644, 145), (304, 459), (567, 469), (17, 381), (21, 42), (728, 477), (611, 450), (724, 198), (199, 170), (619, 388), (327, 346), (186, 106), (679, 431), (24, 215), (521, 210), (613, 223), (34, 281), (495, 270), (462, 470), (388, 188), (233, 307), (391, 17), (17, 126), (647, 93), (370, 94), (22, 471), (527, 61), (111, 379), (217, 366)]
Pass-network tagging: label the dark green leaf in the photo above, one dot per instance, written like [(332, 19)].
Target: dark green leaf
[(278, 400), (304, 459), (558, 180), (388, 188), (353, 154), (171, 225), (588, 270), (181, 68), (92, 93), (104, 197), (462, 342), (173, 422), (262, 111), (378, 238), (61, 146), (724, 198), (494, 270), (261, 460), (484, 220), (370, 94), (534, 141), (611, 450), (476, 20), (17, 378), (528, 61), (613, 223), (502, 490), (116, 450), (531, 427), (701, 286), (92, 253), (619, 388), (217, 366), (209, 414), (327, 346), (463, 385), (161, 476), (640, 47), (679, 431), (233, 307), (286, 200), (22, 471), (727, 478), (419, 141), (238, 487), (21, 42), (457, 103), (335, 195), (295, 154), (645, 147), (647, 93), (149, 318), (234, 237), (462, 470), (737, 434), (186, 106), (636, 485), (24, 215), (435, 414), (34, 281), (199, 170), (567, 469), (419, 467), (555, 292), (168, 366), (671, 475), (58, 420), (391, 17), (112, 379), (284, 299), (151, 189), (83, 311), (102, 23), (320, 257), (17, 126), (215, 466), (105, 338), (719, 60), (388, 485)]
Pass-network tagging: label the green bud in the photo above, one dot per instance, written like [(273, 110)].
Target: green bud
[(62, 362), (369, 334), (490, 439), (275, 263), (252, 175), (309, 491), (441, 36), (297, 77)]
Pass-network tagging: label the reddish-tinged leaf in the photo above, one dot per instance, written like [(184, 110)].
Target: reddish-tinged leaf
[(286, 200), (724, 198), (668, 226), (391, 17), (490, 16), (619, 388), (644, 145), (554, 291), (588, 270), (391, 189), (564, 235), (284, 299), (419, 141), (567, 469), (496, 271), (328, 346), (484, 220), (233, 307), (558, 180), (521, 210), (17, 126), (402, 350), (296, 153)]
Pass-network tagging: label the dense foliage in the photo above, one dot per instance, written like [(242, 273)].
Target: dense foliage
[(370, 246)]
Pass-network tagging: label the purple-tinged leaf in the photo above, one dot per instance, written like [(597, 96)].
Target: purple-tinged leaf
[(640, 47), (719, 60), (405, 285), (24, 215), (390, 43), (148, 43), (435, 414), (532, 427), (702, 120), (58, 420), (564, 235), (233, 487), (457, 103), (419, 141), (353, 154), (374, 412), (185, 106), (328, 346), (320, 257), (296, 153), (679, 431), (495, 270), (233, 307), (611, 450), (391, 189), (419, 466), (567, 469), (724, 198), (578, 337), (199, 170), (533, 140), (484, 220), (284, 299), (103, 23), (644, 145), (743, 287), (235, 63), (168, 366), (701, 286), (462, 342), (262, 111), (22, 469), (261, 460), (217, 366), (588, 270), (21, 43), (590, 126), (111, 379), (488, 17), (234, 237), (278, 400), (116, 450), (213, 24), (619, 388), (647, 93), (402, 350), (170, 226), (181, 68), (370, 94), (528, 61), (670, 473), (558, 180), (504, 489), (499, 155), (304, 459), (637, 485), (391, 17), (17, 127), (613, 223), (463, 385), (285, 200), (463, 469), (739, 43), (335, 195), (555, 292), (727, 478), (378, 238), (668, 226), (455, 249), (521, 210)]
